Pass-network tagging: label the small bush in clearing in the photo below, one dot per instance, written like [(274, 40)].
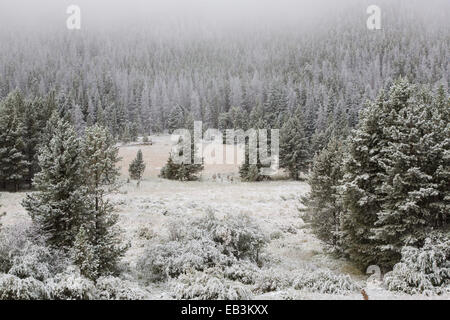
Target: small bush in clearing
[(271, 280), (200, 244), (207, 286), (113, 288), (324, 281)]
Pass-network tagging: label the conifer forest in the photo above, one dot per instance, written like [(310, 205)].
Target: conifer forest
[(224, 150)]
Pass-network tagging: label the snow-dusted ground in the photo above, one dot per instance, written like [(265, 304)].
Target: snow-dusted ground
[(145, 212)]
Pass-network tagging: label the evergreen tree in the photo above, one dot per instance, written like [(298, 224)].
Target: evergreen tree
[(323, 201), (14, 167), (61, 203), (182, 171), (77, 120), (251, 172), (126, 135), (134, 131), (137, 167), (396, 174), (99, 237), (416, 169), (294, 148), (84, 254), (275, 107), (176, 119), (362, 197)]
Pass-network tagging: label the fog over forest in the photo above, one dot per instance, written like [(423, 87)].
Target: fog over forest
[(352, 176)]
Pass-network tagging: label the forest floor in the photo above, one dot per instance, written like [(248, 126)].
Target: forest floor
[(145, 212)]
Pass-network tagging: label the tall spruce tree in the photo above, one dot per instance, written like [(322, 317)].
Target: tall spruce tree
[(294, 147), (98, 245), (362, 197), (323, 202), (61, 203), (176, 119), (275, 107), (396, 175), (414, 161), (14, 166)]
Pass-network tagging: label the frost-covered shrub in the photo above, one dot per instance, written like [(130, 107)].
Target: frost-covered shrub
[(199, 244), (113, 288), (324, 281), (207, 286), (271, 280), (237, 235), (12, 240), (32, 261), (24, 255), (242, 271), (425, 270), (70, 285), (15, 288), (174, 258)]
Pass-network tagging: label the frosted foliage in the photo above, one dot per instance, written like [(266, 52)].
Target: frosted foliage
[(199, 244), (325, 281), (70, 285), (14, 288), (425, 270), (112, 288), (32, 262), (271, 280), (208, 286), (242, 271)]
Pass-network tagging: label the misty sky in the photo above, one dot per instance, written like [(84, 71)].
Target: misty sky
[(45, 14), (114, 12)]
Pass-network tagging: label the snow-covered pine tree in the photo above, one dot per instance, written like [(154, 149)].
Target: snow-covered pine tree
[(294, 147), (440, 125), (99, 234), (137, 167), (182, 171), (14, 167), (61, 204), (33, 123), (2, 214), (415, 164), (176, 119), (275, 107), (125, 136), (251, 172), (323, 202), (84, 254), (134, 131), (77, 120), (362, 197), (238, 117)]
